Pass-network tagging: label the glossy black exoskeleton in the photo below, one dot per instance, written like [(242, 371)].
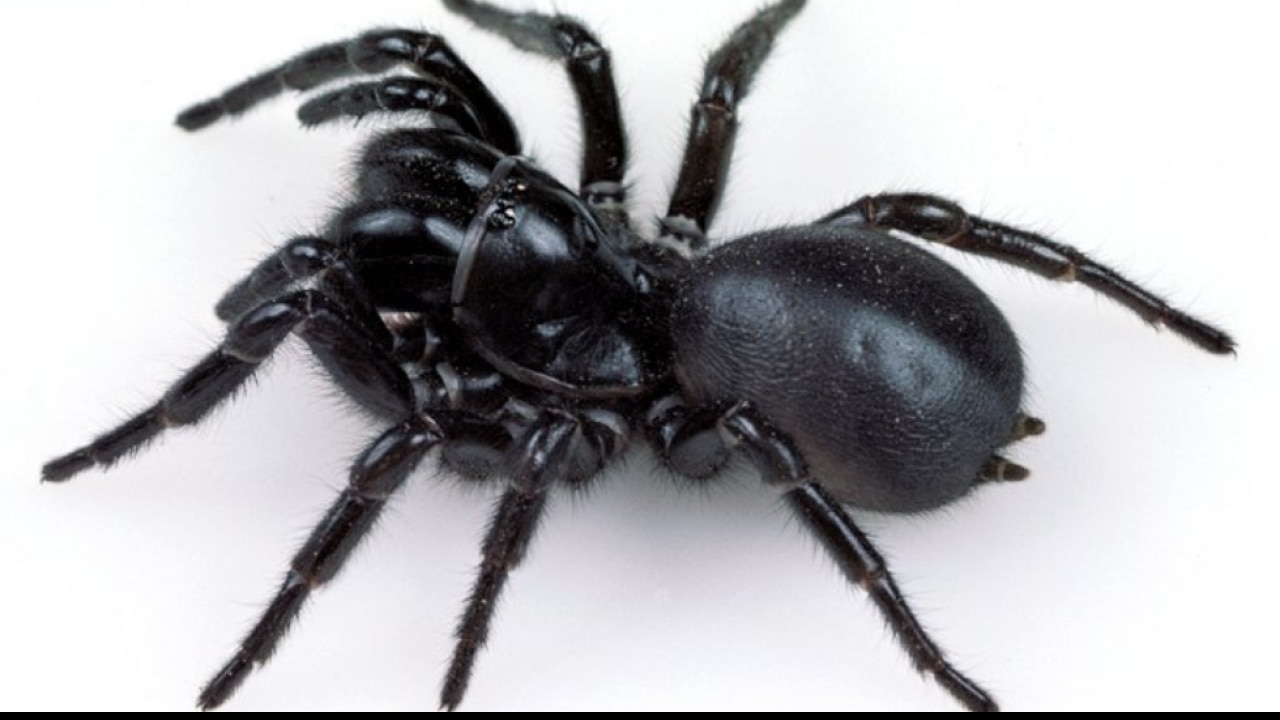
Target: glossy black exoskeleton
[(896, 378), (474, 304)]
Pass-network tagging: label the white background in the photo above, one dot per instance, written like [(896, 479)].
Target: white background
[(1135, 570)]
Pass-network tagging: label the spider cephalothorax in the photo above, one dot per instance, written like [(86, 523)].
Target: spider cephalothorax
[(475, 304)]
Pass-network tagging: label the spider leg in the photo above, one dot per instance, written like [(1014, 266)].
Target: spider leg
[(393, 95), (544, 456), (566, 38), (553, 447), (688, 440), (936, 219), (372, 53), (862, 565), (299, 259), (713, 124), (379, 471), (353, 355), (779, 464)]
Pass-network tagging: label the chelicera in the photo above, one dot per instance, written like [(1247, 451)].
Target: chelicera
[(528, 334)]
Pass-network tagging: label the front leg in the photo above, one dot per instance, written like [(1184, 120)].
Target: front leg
[(373, 53), (350, 351)]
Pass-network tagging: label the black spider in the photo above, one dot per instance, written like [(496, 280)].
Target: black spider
[(526, 331)]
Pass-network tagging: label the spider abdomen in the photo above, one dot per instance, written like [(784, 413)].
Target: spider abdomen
[(896, 377)]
